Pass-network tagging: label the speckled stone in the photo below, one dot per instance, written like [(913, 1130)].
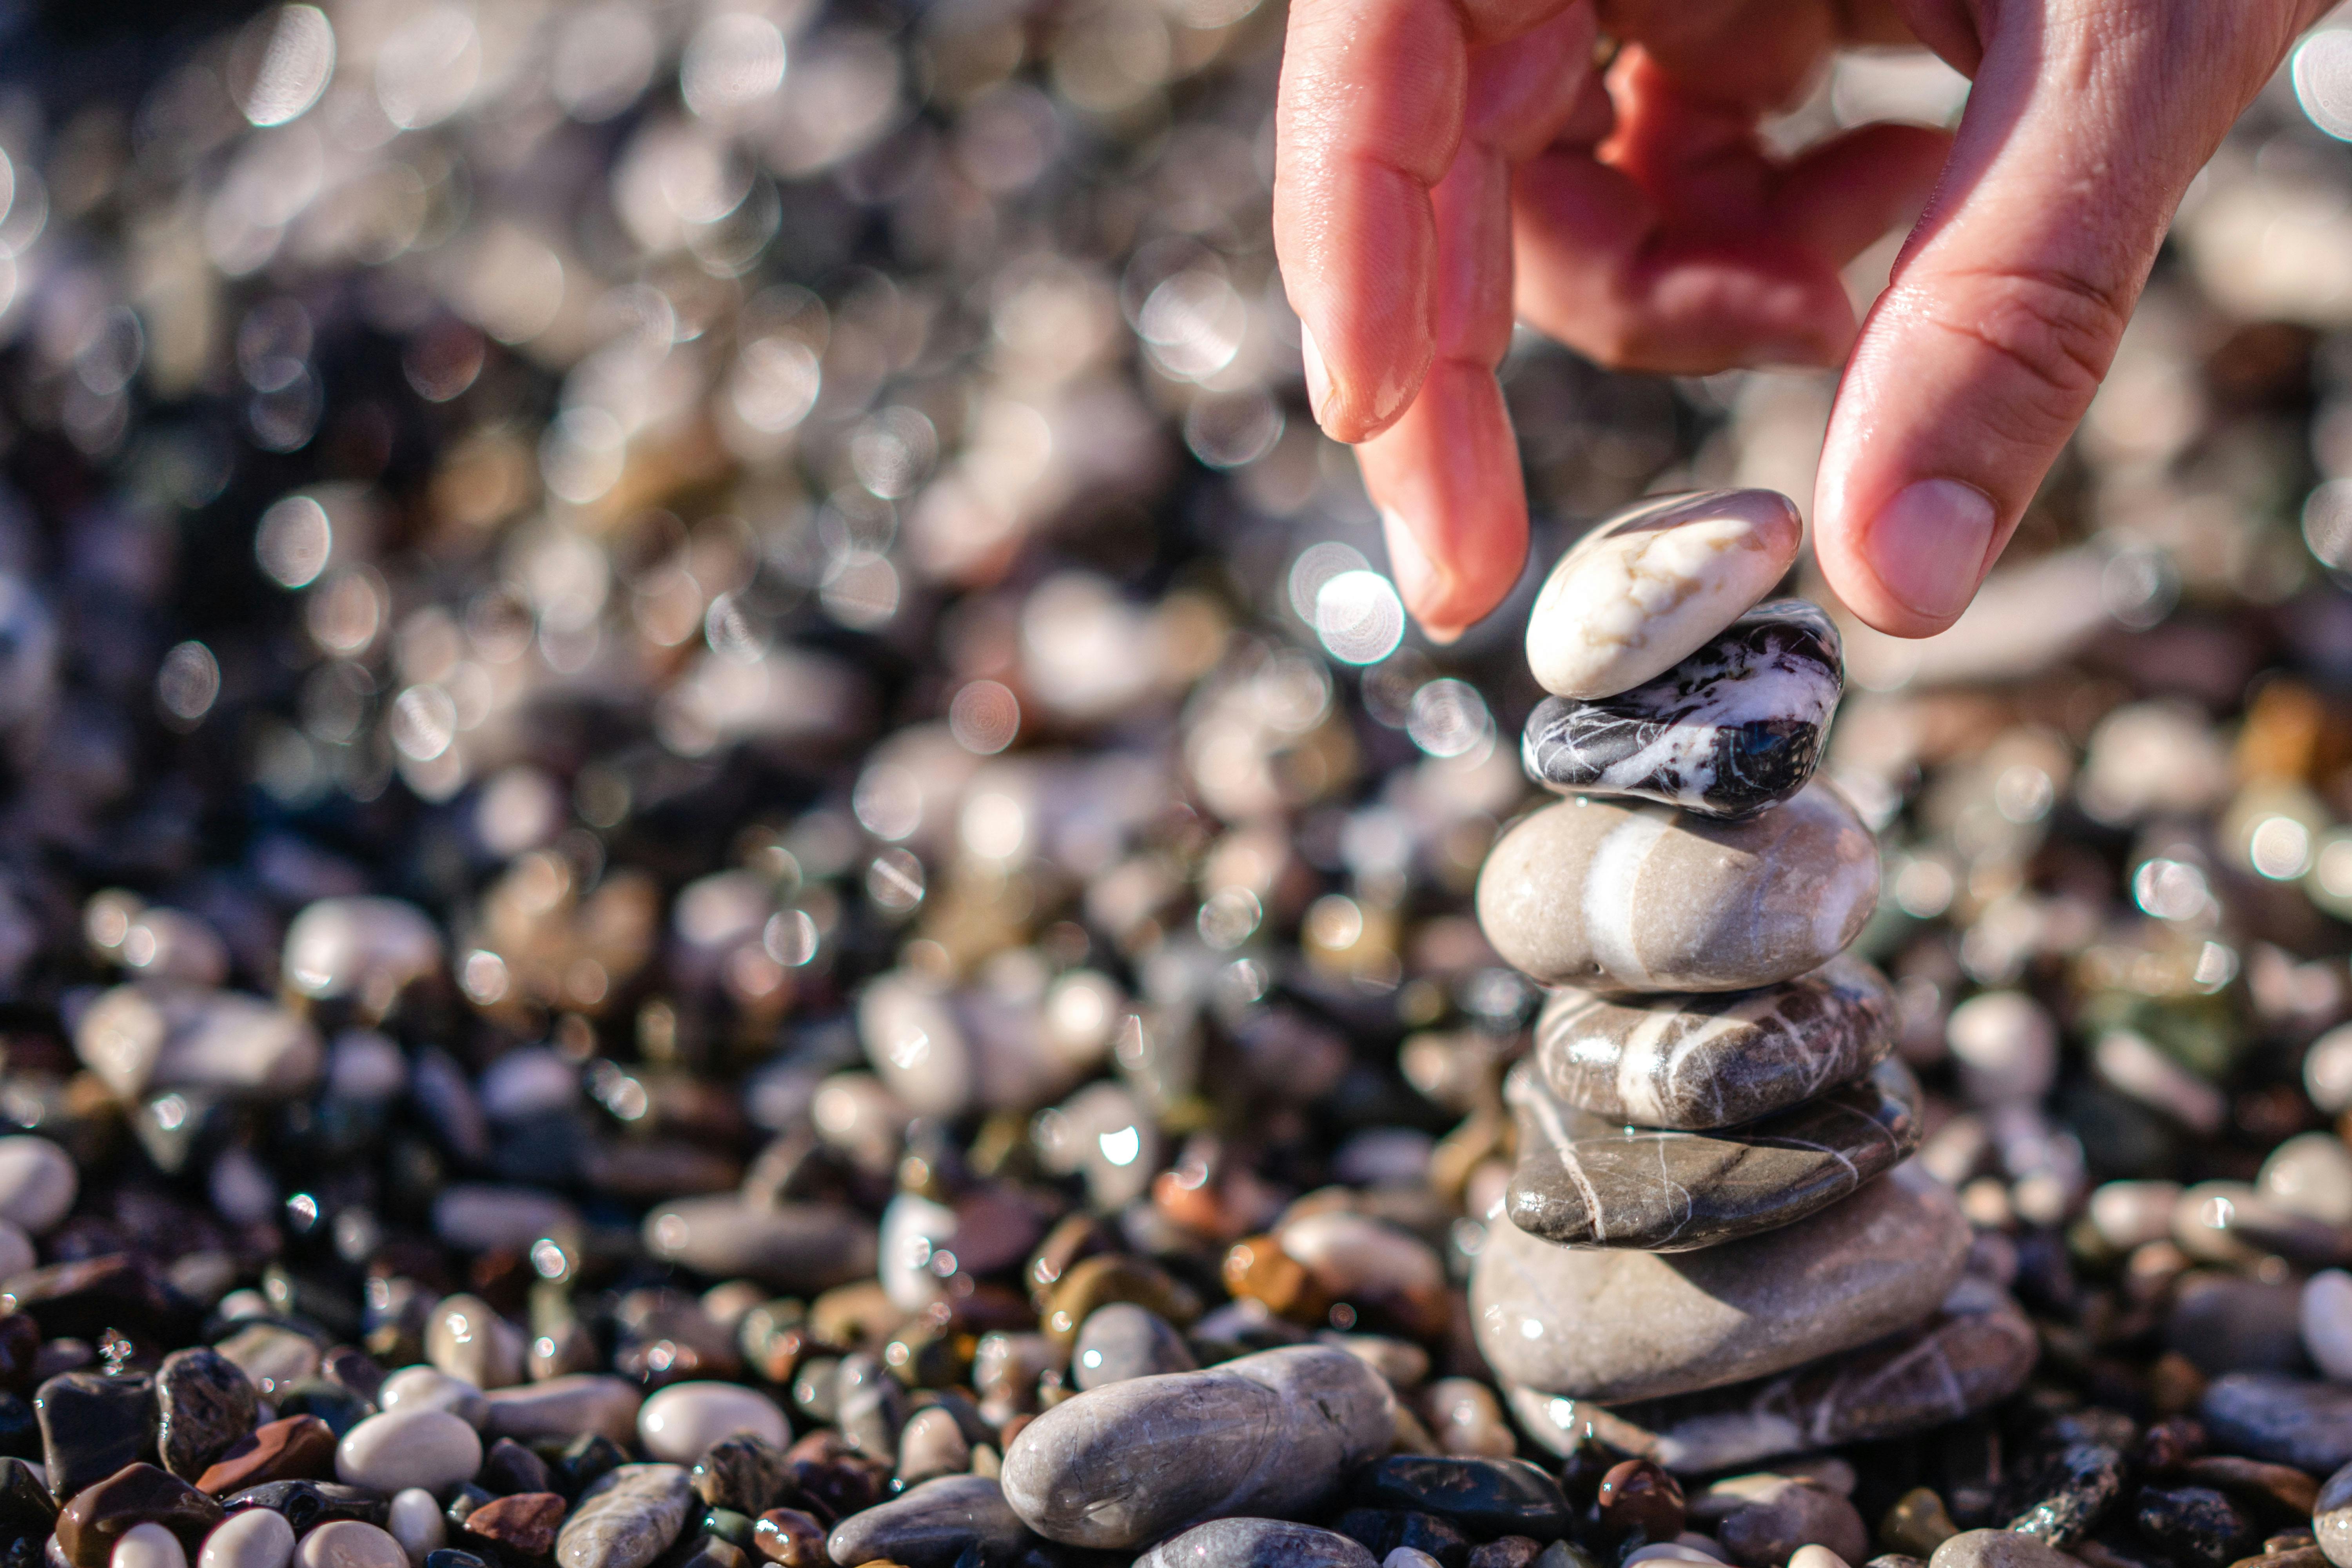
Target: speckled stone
[(931, 1526), (627, 1519), (206, 1404), (1731, 729), (1977, 1351), (1585, 1182), (1645, 587), (1617, 1325), (1612, 897), (1257, 1543), (2331, 1517), (1716, 1058), (2287, 1420), (1272, 1432)]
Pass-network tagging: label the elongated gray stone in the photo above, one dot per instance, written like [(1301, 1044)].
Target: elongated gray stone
[(2287, 1420), (1646, 586), (1271, 1434), (798, 1247), (1257, 1543), (1977, 1351), (1585, 1182), (1716, 1059), (1615, 1325), (1734, 727), (1610, 898), (929, 1526), (627, 1519)]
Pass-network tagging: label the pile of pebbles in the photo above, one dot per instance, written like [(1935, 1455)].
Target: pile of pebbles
[(1697, 1239), (719, 845)]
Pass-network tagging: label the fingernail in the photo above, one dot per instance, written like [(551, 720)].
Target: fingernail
[(1927, 545), (1418, 581), (1318, 374)]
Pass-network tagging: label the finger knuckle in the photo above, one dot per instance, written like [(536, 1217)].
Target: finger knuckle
[(2056, 327)]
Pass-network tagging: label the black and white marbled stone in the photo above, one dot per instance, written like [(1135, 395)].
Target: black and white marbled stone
[(1977, 1350), (1716, 1059), (1582, 1181), (1730, 729)]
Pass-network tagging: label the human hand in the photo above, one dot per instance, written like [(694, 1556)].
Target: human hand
[(1442, 165)]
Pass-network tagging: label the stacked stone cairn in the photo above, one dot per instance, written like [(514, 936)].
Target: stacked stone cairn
[(1711, 1250)]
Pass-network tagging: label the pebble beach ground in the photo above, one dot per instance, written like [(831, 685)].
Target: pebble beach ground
[(720, 848)]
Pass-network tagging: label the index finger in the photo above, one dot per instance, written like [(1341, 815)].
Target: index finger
[(1367, 120)]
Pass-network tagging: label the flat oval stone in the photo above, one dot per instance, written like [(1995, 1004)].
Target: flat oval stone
[(137, 1494), (2287, 1420), (627, 1519), (1616, 1325), (563, 1408), (798, 1248), (1271, 1434), (292, 1449), (525, 1523), (257, 1538), (1487, 1497), (1124, 1339), (1977, 1351), (348, 1543), (422, 1387), (686, 1418), (931, 1526), (1257, 1543), (399, 1448), (207, 1403), (1733, 728), (1612, 897), (1716, 1059), (1646, 586), (1582, 1181)]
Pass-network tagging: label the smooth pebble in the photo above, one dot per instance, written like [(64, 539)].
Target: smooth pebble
[(148, 1546), (682, 1420), (348, 1543), (433, 1449), (418, 1523), (255, 1538), (37, 1183)]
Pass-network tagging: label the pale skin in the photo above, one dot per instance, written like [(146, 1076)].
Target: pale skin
[(1443, 167)]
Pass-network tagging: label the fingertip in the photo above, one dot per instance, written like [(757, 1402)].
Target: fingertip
[(1909, 564)]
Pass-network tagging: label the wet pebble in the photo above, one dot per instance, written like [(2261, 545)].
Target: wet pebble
[(89, 1525), (931, 1526), (91, 1426), (1244, 1542), (1270, 1432), (525, 1523), (293, 1448), (206, 1404), (1485, 1497)]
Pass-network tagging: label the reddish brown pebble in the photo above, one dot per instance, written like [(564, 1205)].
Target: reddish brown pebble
[(2170, 1443), (2287, 1488), (1510, 1551), (1638, 1497), (298, 1448), (788, 1536), (525, 1523), (135, 1494)]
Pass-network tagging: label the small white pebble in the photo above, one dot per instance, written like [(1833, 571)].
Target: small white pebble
[(418, 1523), (257, 1538), (1816, 1557), (1667, 1552), (1409, 1557), (2327, 1318), (148, 1546)]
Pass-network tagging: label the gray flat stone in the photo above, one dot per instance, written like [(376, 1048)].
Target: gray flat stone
[(2287, 1420), (1256, 1543), (1610, 898), (627, 1519), (931, 1525), (1697, 1061), (1998, 1549), (1977, 1351), (1585, 1182), (1272, 1434), (1615, 1325)]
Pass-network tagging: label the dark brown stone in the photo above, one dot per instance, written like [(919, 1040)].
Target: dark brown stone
[(20, 1344), (135, 1494), (1639, 1498), (525, 1523), (2279, 1489), (790, 1537), (297, 1449)]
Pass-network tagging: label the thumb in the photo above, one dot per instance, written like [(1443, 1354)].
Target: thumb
[(2086, 123)]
